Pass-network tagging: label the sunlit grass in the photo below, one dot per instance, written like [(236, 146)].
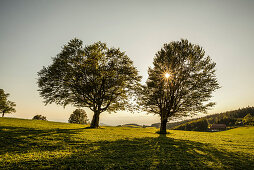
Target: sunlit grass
[(41, 144)]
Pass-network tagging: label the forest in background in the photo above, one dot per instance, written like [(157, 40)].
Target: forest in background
[(239, 117)]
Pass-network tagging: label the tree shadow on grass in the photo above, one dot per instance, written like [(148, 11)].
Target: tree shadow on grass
[(138, 153), (22, 140), (158, 153)]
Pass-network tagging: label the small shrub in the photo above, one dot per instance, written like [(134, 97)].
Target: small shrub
[(79, 116), (39, 117)]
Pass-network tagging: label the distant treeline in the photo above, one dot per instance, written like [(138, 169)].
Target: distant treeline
[(230, 118), (244, 116)]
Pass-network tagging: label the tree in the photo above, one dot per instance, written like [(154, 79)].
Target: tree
[(6, 106), (248, 119), (94, 76), (79, 116), (39, 117), (180, 83)]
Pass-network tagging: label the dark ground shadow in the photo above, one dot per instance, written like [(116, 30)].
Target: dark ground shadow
[(138, 153)]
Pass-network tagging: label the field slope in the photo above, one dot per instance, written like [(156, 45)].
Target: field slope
[(34, 144)]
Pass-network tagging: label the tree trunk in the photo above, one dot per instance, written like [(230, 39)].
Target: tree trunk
[(3, 114), (163, 128), (95, 120)]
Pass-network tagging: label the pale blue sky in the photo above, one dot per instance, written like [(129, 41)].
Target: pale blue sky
[(31, 32)]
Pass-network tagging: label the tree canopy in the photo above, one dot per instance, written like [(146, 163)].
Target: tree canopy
[(39, 117), (94, 76), (180, 83), (6, 106), (78, 116)]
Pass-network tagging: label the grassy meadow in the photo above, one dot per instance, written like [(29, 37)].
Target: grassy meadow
[(35, 144)]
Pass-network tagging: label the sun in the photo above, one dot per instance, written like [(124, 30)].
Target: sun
[(167, 75)]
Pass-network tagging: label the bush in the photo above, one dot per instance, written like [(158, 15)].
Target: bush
[(39, 117), (79, 116)]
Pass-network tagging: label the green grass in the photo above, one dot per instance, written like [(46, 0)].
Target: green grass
[(34, 144)]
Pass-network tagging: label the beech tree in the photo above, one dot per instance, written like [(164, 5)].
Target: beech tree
[(94, 76), (6, 106), (180, 83)]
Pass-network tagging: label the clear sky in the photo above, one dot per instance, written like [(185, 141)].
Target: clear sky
[(33, 31)]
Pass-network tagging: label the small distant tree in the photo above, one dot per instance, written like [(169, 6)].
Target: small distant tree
[(39, 117), (79, 116), (95, 76), (248, 119), (6, 106), (180, 83)]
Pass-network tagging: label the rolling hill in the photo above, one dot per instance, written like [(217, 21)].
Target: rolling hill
[(35, 144)]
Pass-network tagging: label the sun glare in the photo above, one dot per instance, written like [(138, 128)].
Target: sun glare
[(167, 75)]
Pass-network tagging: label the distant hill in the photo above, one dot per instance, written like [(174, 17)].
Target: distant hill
[(171, 125), (134, 125), (230, 118), (103, 124)]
